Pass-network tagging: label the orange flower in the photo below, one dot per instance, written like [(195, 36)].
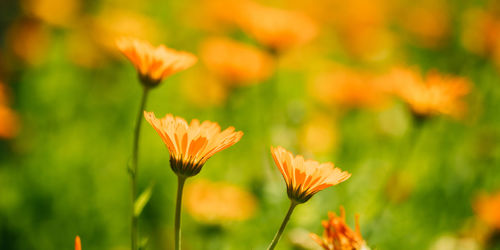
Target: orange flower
[(236, 62), (349, 88), (78, 244), (215, 202), (276, 28), (191, 145), (337, 234), (437, 94), (154, 64), (487, 209), (304, 178)]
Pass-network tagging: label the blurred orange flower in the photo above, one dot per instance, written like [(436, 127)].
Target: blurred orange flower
[(428, 21), (154, 64), (481, 32), (55, 12), (304, 178), (111, 24), (9, 121), (78, 244), (278, 29), (487, 208), (437, 94), (235, 62), (28, 39), (338, 236), (361, 26), (350, 89), (217, 202), (191, 145)]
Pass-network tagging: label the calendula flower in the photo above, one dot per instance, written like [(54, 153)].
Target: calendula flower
[(235, 62), (487, 208), (191, 145), (348, 88), (218, 202), (428, 22), (78, 244), (154, 63), (437, 94), (304, 178), (338, 236), (278, 29)]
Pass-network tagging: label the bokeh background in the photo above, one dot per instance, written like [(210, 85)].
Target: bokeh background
[(317, 77)]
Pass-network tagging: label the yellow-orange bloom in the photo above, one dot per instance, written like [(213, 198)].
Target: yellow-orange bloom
[(276, 28), (236, 62), (217, 202), (350, 89), (338, 236), (154, 64), (488, 209), (191, 145), (78, 244), (437, 94), (304, 178)]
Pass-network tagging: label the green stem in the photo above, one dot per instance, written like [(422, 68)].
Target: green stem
[(277, 237), (180, 186), (134, 232)]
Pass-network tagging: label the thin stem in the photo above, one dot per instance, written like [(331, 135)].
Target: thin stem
[(177, 225), (277, 237), (133, 170)]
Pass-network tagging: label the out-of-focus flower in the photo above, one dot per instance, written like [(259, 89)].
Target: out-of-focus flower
[(214, 92), (437, 94), (218, 15), (28, 39), (481, 32), (304, 178), (427, 21), (338, 236), (9, 121), (319, 134), (278, 29), (361, 26), (217, 202), (191, 145), (348, 88), (112, 24), (235, 62), (487, 208), (54, 12), (78, 243), (154, 64)]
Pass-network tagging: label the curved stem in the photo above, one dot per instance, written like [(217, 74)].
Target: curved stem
[(177, 225), (134, 234), (283, 225)]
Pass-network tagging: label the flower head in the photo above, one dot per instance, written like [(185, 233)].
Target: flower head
[(487, 209), (304, 178), (78, 244), (276, 28), (154, 64), (191, 145), (236, 62), (436, 94), (216, 202), (338, 236)]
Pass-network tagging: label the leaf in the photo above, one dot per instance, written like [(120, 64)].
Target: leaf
[(142, 200)]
